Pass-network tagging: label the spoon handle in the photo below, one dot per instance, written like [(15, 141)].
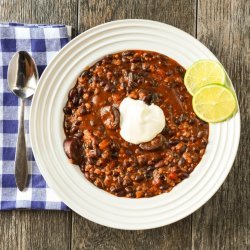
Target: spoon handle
[(21, 163)]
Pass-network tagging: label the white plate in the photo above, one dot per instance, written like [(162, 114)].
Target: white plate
[(47, 135)]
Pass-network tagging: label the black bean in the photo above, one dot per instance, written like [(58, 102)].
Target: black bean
[(84, 73), (182, 117), (121, 193), (139, 178), (183, 175), (195, 157), (77, 122), (165, 131), (102, 83), (79, 134), (72, 93), (115, 174), (181, 161), (147, 54), (120, 180), (184, 139), (67, 111), (177, 121), (67, 124), (83, 110), (125, 59), (171, 133), (162, 177), (115, 189), (152, 83), (150, 168), (81, 101), (131, 77), (135, 59), (182, 98), (75, 100), (164, 187), (107, 59), (173, 142), (92, 175), (148, 194), (94, 153), (82, 166), (79, 91), (127, 182), (101, 128), (145, 96), (138, 81), (128, 53), (128, 152), (129, 189), (131, 86), (180, 70), (123, 85), (200, 134), (169, 72), (159, 164), (73, 129), (156, 97), (125, 164), (148, 175), (108, 87), (114, 154), (204, 142), (96, 79), (191, 121), (183, 149)]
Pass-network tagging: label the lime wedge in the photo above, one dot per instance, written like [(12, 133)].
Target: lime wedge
[(203, 72), (214, 103)]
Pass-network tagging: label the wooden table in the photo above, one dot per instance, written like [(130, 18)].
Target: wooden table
[(223, 223)]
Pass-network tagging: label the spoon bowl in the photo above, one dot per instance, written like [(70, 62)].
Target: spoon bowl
[(22, 75)]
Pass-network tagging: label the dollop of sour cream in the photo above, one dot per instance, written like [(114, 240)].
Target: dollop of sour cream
[(140, 122)]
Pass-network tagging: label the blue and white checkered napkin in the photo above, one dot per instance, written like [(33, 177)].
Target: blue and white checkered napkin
[(42, 42)]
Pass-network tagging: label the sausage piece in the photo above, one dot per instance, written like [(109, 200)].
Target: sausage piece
[(72, 148), (156, 143), (110, 117)]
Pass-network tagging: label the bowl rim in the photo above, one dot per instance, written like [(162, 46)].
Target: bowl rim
[(50, 180)]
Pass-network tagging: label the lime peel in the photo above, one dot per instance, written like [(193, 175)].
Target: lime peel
[(214, 103), (202, 73)]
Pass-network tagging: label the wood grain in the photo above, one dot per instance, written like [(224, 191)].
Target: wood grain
[(56, 12), (15, 11), (223, 222), (35, 230), (88, 235), (180, 13)]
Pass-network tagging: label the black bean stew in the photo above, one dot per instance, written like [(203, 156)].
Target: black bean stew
[(91, 125)]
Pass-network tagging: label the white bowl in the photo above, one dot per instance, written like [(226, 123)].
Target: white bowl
[(47, 135)]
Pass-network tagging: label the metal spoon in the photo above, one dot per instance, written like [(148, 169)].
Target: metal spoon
[(22, 81)]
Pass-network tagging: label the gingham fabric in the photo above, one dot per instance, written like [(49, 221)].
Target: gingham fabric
[(42, 42)]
